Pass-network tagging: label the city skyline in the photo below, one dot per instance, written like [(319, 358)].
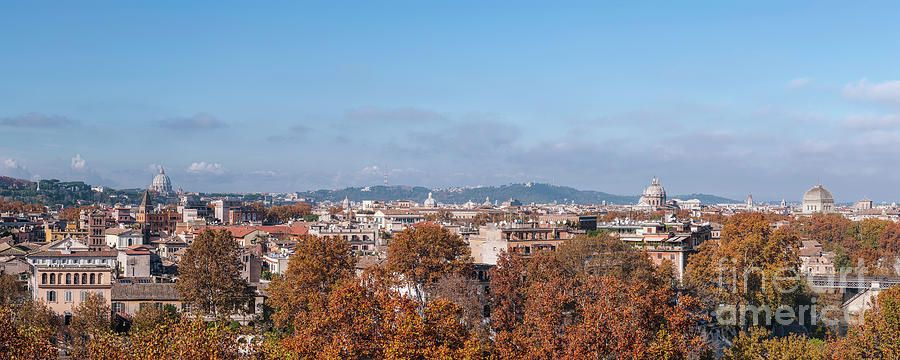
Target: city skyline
[(720, 99)]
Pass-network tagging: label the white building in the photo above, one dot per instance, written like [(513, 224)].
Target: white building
[(121, 239)]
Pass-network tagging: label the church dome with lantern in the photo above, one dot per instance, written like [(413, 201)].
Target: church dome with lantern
[(161, 183), (654, 195)]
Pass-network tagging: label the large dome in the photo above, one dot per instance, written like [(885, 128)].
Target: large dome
[(655, 189), (654, 195), (161, 183), (818, 193), (817, 200)]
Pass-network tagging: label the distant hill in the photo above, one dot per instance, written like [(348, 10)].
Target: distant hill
[(67, 193), (53, 192), (707, 199), (526, 193), (7, 182)]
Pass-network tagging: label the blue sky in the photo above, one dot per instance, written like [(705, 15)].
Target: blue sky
[(766, 98)]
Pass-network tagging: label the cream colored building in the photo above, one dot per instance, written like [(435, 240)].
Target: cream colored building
[(64, 272), (817, 200)]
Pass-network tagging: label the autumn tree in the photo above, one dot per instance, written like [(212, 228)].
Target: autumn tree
[(209, 275), (22, 342), (507, 297), (91, 317), (878, 336), (183, 338), (72, 214), (149, 317), (421, 255), (11, 290), (318, 264), (750, 265), (758, 343), (334, 210), (604, 255), (360, 322), (469, 295), (285, 213), (828, 229), (541, 310), (21, 207)]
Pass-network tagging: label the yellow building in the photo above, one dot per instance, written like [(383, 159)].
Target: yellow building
[(55, 233)]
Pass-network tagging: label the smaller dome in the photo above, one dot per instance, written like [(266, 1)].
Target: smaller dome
[(429, 202)]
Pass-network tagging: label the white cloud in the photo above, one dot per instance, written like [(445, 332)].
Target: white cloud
[(799, 82), (199, 121), (266, 173), (12, 167), (10, 163), (37, 120), (872, 122), (883, 92), (370, 170), (78, 163), (206, 168), (404, 114)]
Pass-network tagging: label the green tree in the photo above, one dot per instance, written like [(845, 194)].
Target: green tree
[(209, 275)]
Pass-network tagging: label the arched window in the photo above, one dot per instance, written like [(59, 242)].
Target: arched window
[(99, 278), (83, 278), (93, 278), (69, 281), (51, 295), (52, 279), (75, 279), (43, 278)]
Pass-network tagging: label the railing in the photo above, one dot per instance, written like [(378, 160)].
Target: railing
[(854, 282)]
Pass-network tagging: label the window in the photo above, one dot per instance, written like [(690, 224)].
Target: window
[(118, 307), (93, 278), (99, 278), (75, 279), (68, 296), (68, 279), (83, 295), (84, 278), (100, 293), (51, 295), (43, 278), (52, 279)]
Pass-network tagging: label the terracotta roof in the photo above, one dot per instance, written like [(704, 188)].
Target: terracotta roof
[(116, 231), (153, 292), (236, 231)]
